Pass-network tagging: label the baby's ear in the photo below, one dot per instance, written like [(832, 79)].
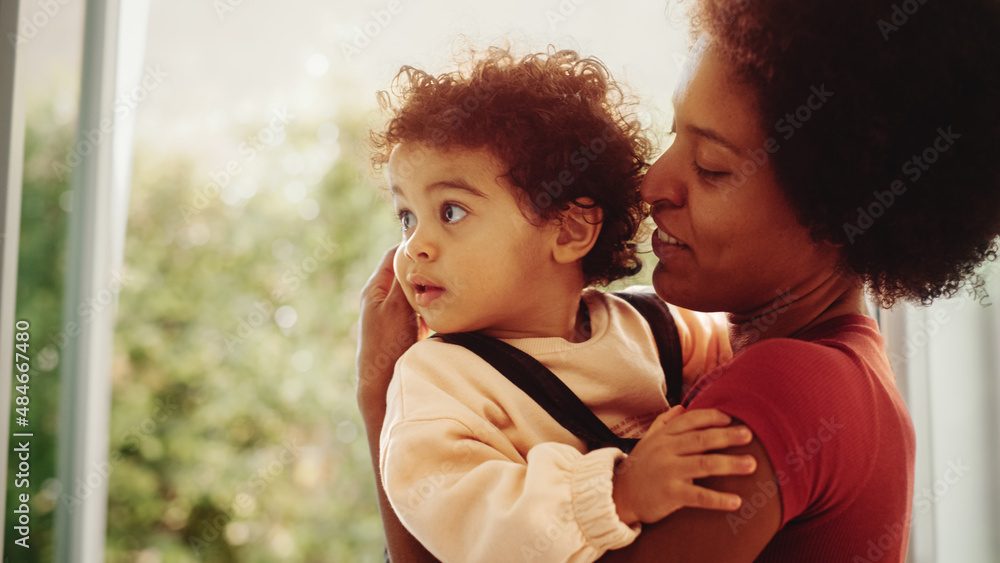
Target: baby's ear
[(578, 229)]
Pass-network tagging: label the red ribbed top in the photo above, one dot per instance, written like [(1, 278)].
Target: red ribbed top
[(836, 430)]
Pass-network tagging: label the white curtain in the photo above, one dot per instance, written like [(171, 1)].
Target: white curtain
[(947, 361)]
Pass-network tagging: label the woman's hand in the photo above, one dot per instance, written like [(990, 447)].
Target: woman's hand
[(657, 477), (386, 328)]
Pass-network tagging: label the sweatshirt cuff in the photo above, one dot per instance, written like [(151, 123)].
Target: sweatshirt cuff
[(593, 506)]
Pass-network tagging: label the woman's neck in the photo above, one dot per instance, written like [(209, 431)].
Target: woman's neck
[(797, 310)]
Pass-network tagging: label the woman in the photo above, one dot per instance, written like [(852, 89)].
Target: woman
[(822, 149)]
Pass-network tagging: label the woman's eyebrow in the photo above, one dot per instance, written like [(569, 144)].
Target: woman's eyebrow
[(714, 136)]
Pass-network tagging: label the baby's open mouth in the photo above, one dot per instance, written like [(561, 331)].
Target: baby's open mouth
[(426, 294), (421, 288)]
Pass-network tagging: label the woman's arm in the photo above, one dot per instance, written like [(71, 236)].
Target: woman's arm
[(702, 536), (387, 327)]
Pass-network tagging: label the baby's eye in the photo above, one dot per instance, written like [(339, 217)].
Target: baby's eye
[(452, 213), (407, 219)]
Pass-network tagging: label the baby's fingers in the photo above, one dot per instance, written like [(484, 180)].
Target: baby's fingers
[(698, 441), (707, 465), (690, 420), (699, 497), (662, 420)]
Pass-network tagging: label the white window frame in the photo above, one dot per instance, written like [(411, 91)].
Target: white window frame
[(113, 47), (11, 168)]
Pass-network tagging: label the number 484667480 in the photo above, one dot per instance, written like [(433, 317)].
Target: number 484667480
[(21, 365)]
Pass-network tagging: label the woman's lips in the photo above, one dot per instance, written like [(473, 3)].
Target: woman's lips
[(666, 246), (667, 238)]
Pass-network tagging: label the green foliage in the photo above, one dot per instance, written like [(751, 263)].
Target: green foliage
[(232, 438), (39, 301), (239, 439)]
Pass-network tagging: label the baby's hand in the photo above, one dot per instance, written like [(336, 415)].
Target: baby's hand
[(657, 478)]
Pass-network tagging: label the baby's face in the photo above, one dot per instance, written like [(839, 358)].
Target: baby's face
[(469, 259)]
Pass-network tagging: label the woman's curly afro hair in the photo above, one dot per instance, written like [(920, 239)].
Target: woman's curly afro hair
[(562, 127), (900, 164)]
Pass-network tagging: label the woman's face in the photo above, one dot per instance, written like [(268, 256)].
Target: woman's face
[(727, 239)]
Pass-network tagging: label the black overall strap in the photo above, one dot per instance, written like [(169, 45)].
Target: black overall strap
[(668, 342), (539, 383)]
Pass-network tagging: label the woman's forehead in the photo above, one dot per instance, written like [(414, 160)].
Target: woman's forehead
[(709, 98)]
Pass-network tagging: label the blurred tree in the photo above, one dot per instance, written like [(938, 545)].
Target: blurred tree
[(234, 432), (235, 435), (39, 301)]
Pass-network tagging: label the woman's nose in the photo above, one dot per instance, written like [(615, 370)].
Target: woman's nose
[(664, 183)]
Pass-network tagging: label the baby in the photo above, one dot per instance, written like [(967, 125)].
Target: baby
[(516, 186)]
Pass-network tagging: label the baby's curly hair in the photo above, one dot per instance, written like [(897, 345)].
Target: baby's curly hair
[(900, 164), (563, 128)]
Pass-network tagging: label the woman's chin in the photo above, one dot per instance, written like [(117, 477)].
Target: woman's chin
[(667, 286), (682, 292)]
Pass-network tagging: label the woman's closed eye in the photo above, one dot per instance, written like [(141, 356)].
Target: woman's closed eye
[(707, 174), (452, 213)]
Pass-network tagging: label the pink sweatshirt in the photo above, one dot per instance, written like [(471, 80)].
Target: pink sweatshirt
[(479, 472)]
